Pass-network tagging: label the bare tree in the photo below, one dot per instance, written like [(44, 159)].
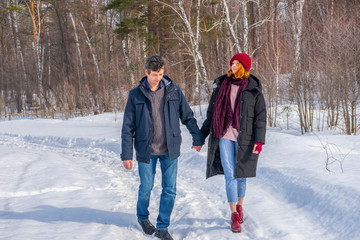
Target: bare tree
[(194, 35), (73, 57), (231, 25), (35, 8)]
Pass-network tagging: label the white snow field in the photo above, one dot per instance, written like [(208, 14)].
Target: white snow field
[(65, 180)]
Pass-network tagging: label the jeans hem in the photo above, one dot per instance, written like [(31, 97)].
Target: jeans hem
[(161, 229), (142, 220)]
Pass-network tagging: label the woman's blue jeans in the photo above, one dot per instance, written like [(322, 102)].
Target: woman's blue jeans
[(147, 175), (235, 187)]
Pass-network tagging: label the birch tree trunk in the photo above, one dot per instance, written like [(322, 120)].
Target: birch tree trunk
[(194, 36), (15, 53), (245, 26), (127, 61), (18, 45), (297, 26), (231, 26), (39, 50), (195, 40), (88, 41), (18, 83), (96, 63), (300, 88), (78, 46), (277, 60)]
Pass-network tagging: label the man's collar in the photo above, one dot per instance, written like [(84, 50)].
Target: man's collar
[(148, 87)]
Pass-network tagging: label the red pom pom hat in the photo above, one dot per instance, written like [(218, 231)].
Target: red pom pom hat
[(244, 59)]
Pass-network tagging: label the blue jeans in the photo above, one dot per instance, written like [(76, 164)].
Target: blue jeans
[(235, 187), (147, 174)]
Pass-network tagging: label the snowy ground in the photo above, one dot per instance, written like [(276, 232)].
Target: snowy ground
[(64, 180)]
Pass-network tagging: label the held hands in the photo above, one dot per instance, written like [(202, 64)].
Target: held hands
[(197, 148), (128, 164)]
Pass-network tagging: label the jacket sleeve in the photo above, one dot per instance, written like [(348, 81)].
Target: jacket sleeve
[(128, 130), (187, 118), (205, 129), (260, 119)]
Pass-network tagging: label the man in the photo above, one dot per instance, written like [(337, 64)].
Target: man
[(151, 124)]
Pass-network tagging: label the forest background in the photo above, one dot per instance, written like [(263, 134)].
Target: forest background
[(66, 58)]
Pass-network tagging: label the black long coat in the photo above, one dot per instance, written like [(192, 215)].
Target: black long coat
[(252, 129)]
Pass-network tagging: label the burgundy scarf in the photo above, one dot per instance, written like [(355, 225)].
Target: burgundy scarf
[(223, 116)]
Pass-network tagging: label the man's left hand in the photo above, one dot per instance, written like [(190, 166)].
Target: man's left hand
[(197, 148)]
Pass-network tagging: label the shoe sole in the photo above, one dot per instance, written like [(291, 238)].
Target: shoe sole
[(157, 236), (149, 233)]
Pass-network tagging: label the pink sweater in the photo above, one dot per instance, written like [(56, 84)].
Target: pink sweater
[(231, 132)]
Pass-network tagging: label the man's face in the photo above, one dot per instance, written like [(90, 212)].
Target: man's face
[(154, 77)]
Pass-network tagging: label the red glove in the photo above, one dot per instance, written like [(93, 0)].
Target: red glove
[(258, 147)]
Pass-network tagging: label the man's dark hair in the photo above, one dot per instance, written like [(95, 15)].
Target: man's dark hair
[(154, 63)]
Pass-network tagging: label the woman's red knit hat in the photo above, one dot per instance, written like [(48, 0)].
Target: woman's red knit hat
[(244, 59)]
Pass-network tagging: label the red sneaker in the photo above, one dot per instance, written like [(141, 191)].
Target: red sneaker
[(240, 211), (235, 222)]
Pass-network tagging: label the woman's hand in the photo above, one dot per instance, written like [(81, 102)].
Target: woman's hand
[(257, 147)]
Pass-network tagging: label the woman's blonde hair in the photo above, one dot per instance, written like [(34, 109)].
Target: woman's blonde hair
[(240, 73)]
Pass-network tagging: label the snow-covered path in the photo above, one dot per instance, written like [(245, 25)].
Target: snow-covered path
[(47, 194), (64, 180)]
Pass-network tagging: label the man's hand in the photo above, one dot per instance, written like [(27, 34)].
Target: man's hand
[(197, 148), (127, 164)]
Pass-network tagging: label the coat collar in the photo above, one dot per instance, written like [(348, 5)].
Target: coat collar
[(166, 81), (169, 85), (254, 83)]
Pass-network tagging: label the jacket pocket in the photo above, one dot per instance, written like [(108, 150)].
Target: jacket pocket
[(176, 138), (141, 147)]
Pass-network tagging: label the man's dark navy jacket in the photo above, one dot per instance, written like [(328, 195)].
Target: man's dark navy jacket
[(136, 130)]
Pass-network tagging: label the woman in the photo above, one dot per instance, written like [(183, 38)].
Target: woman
[(236, 122)]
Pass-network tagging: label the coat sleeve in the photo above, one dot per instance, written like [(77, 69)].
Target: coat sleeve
[(187, 118), (128, 129), (205, 129), (260, 119)]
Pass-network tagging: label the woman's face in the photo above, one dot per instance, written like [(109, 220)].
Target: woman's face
[(235, 66)]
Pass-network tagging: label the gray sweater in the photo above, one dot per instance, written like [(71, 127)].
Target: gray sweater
[(158, 143)]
